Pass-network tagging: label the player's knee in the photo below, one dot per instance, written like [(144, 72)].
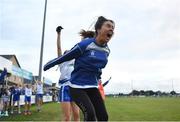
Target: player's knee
[(89, 116), (76, 116), (105, 117), (102, 117), (67, 117)]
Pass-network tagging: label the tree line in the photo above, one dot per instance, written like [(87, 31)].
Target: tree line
[(146, 93)]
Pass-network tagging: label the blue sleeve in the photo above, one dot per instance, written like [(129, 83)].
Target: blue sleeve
[(104, 84), (23, 91), (75, 52), (13, 92), (1, 77), (19, 92), (5, 71)]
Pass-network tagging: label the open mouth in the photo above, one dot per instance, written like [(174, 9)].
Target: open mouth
[(109, 34)]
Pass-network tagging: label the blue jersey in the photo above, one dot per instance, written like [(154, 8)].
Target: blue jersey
[(87, 68), (16, 92), (90, 58)]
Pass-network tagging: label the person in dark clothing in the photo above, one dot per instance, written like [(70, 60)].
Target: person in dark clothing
[(3, 76)]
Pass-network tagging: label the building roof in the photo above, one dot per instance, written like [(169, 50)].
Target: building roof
[(11, 56)]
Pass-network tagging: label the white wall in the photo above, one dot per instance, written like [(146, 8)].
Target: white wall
[(45, 99), (4, 63)]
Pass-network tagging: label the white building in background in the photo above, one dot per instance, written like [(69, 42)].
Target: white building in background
[(5, 63), (17, 75)]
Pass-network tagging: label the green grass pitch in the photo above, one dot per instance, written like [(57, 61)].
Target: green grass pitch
[(119, 109)]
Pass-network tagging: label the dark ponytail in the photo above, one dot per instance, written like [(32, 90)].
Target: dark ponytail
[(87, 34)]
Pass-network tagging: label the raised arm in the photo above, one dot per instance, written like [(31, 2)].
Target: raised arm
[(59, 49)]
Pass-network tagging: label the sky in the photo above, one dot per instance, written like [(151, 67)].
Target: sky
[(145, 49)]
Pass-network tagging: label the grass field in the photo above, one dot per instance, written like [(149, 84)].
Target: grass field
[(119, 109)]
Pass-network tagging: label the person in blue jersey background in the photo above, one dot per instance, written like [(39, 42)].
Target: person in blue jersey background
[(90, 58), (16, 98), (67, 105)]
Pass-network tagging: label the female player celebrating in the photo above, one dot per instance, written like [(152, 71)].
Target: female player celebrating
[(90, 58)]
